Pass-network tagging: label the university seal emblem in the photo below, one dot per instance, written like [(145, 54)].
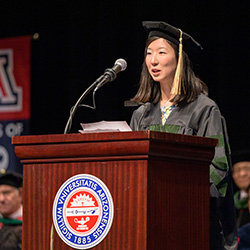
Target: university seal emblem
[(83, 211)]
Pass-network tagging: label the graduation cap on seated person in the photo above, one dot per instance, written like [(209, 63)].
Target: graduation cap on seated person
[(11, 178), (178, 37)]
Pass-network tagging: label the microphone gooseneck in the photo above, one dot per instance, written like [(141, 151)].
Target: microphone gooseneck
[(108, 76)]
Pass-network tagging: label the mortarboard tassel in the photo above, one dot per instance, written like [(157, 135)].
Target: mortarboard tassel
[(176, 87)]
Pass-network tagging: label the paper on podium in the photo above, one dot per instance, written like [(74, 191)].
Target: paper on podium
[(105, 126)]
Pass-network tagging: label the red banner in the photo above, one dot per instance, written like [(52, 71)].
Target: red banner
[(14, 96)]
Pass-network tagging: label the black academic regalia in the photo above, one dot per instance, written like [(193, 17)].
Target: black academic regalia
[(202, 117), (11, 237)]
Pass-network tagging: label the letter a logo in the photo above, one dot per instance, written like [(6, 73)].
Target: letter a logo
[(10, 93)]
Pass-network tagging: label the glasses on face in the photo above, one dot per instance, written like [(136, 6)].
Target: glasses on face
[(238, 170)]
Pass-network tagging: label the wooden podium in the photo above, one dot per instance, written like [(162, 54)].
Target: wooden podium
[(159, 183)]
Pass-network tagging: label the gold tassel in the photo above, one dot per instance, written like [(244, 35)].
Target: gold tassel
[(176, 87)]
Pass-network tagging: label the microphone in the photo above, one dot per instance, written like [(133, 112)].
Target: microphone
[(110, 74)]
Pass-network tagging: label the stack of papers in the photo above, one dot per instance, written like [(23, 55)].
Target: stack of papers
[(105, 126)]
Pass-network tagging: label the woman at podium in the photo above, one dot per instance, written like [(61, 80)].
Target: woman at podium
[(174, 100)]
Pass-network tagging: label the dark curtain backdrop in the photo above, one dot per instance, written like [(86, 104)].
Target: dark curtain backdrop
[(78, 40)]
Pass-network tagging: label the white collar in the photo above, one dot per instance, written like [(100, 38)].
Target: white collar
[(243, 194), (17, 214)]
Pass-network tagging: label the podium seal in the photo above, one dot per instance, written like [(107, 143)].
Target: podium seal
[(83, 211)]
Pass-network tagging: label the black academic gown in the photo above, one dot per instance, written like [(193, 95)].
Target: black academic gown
[(11, 237), (202, 117)]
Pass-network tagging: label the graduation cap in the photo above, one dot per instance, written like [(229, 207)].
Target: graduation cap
[(11, 178), (241, 155), (172, 34), (181, 39)]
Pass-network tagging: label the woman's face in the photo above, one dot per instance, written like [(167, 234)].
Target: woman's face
[(161, 61)]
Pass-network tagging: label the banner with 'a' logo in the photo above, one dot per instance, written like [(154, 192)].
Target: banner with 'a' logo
[(14, 96)]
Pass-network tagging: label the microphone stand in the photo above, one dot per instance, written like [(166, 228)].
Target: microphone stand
[(74, 108)]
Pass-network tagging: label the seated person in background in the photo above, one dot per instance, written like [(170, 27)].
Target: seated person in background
[(244, 231), (10, 210), (241, 176)]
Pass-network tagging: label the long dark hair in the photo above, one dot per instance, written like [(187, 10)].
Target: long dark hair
[(149, 90)]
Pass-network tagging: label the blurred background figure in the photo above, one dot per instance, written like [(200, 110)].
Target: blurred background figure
[(241, 176), (11, 210), (244, 231)]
